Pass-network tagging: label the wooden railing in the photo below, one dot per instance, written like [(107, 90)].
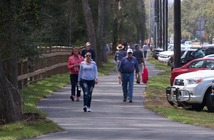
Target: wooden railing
[(53, 60)]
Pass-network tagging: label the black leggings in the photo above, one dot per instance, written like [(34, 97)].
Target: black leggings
[(74, 80)]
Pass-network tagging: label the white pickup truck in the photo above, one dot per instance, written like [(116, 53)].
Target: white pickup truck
[(192, 91)]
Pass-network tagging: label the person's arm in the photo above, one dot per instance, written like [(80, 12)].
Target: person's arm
[(136, 67), (83, 53), (96, 74), (80, 72), (120, 68), (70, 64), (143, 60), (93, 55)]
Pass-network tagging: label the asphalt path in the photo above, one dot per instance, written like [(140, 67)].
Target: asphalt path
[(111, 118)]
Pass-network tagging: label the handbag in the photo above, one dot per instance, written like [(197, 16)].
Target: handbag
[(145, 75)]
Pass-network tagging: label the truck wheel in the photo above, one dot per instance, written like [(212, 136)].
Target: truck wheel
[(198, 107), (210, 102)]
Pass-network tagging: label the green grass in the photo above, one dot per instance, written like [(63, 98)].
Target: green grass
[(155, 100), (32, 94), (107, 67)]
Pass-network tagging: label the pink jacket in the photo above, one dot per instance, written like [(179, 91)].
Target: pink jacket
[(72, 61)]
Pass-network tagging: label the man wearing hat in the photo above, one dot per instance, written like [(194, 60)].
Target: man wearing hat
[(119, 54), (88, 49), (127, 67)]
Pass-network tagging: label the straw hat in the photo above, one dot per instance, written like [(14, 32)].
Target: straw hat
[(120, 47)]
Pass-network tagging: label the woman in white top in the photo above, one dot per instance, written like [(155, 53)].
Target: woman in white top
[(87, 78)]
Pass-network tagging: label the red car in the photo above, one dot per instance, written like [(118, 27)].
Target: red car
[(194, 65)]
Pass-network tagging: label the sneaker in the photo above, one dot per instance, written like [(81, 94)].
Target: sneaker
[(72, 98), (85, 108), (88, 109), (77, 99), (124, 100), (130, 101)]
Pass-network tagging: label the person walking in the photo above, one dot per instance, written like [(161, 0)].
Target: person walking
[(87, 78), (119, 54), (88, 49), (145, 48), (73, 65), (139, 56), (126, 69)]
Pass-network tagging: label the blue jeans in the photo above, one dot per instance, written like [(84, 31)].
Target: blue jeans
[(87, 87), (74, 80), (127, 85)]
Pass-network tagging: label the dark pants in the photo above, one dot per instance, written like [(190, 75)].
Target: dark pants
[(87, 87), (74, 80), (145, 54)]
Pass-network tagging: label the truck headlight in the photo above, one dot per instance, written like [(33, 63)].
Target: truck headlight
[(194, 81)]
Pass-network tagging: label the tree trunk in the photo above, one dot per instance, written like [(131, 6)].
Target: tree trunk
[(115, 26), (11, 104), (100, 33), (90, 26)]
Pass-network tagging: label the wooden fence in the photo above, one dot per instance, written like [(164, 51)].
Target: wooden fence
[(53, 60)]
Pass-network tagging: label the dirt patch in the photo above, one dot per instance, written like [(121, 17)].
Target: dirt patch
[(28, 117)]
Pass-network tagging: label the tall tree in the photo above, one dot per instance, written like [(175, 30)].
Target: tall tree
[(11, 100), (90, 25), (11, 103), (100, 32)]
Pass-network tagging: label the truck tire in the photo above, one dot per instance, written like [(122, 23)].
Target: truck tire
[(210, 102), (198, 107)]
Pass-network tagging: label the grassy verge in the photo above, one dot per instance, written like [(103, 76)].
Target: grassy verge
[(155, 99), (32, 95)]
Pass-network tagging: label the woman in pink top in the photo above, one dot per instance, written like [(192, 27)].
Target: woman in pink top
[(73, 65)]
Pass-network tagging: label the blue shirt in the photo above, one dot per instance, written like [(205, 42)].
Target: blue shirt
[(88, 72), (128, 65)]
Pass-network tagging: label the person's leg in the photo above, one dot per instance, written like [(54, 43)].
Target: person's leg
[(140, 71), (131, 83), (90, 87), (84, 85), (124, 85), (73, 85), (75, 80)]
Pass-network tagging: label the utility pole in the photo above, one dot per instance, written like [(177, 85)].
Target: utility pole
[(160, 24), (177, 32), (165, 24), (156, 35), (151, 22)]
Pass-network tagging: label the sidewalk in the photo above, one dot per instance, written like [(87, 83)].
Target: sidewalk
[(111, 118)]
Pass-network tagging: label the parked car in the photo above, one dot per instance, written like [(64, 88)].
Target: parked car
[(188, 55), (165, 56), (208, 49), (210, 55), (194, 65), (188, 43), (156, 52), (192, 90)]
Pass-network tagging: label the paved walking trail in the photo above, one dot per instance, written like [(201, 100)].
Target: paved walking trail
[(112, 119)]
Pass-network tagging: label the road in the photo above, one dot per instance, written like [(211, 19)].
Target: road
[(112, 119)]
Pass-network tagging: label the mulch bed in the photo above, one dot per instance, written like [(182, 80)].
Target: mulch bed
[(28, 117)]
